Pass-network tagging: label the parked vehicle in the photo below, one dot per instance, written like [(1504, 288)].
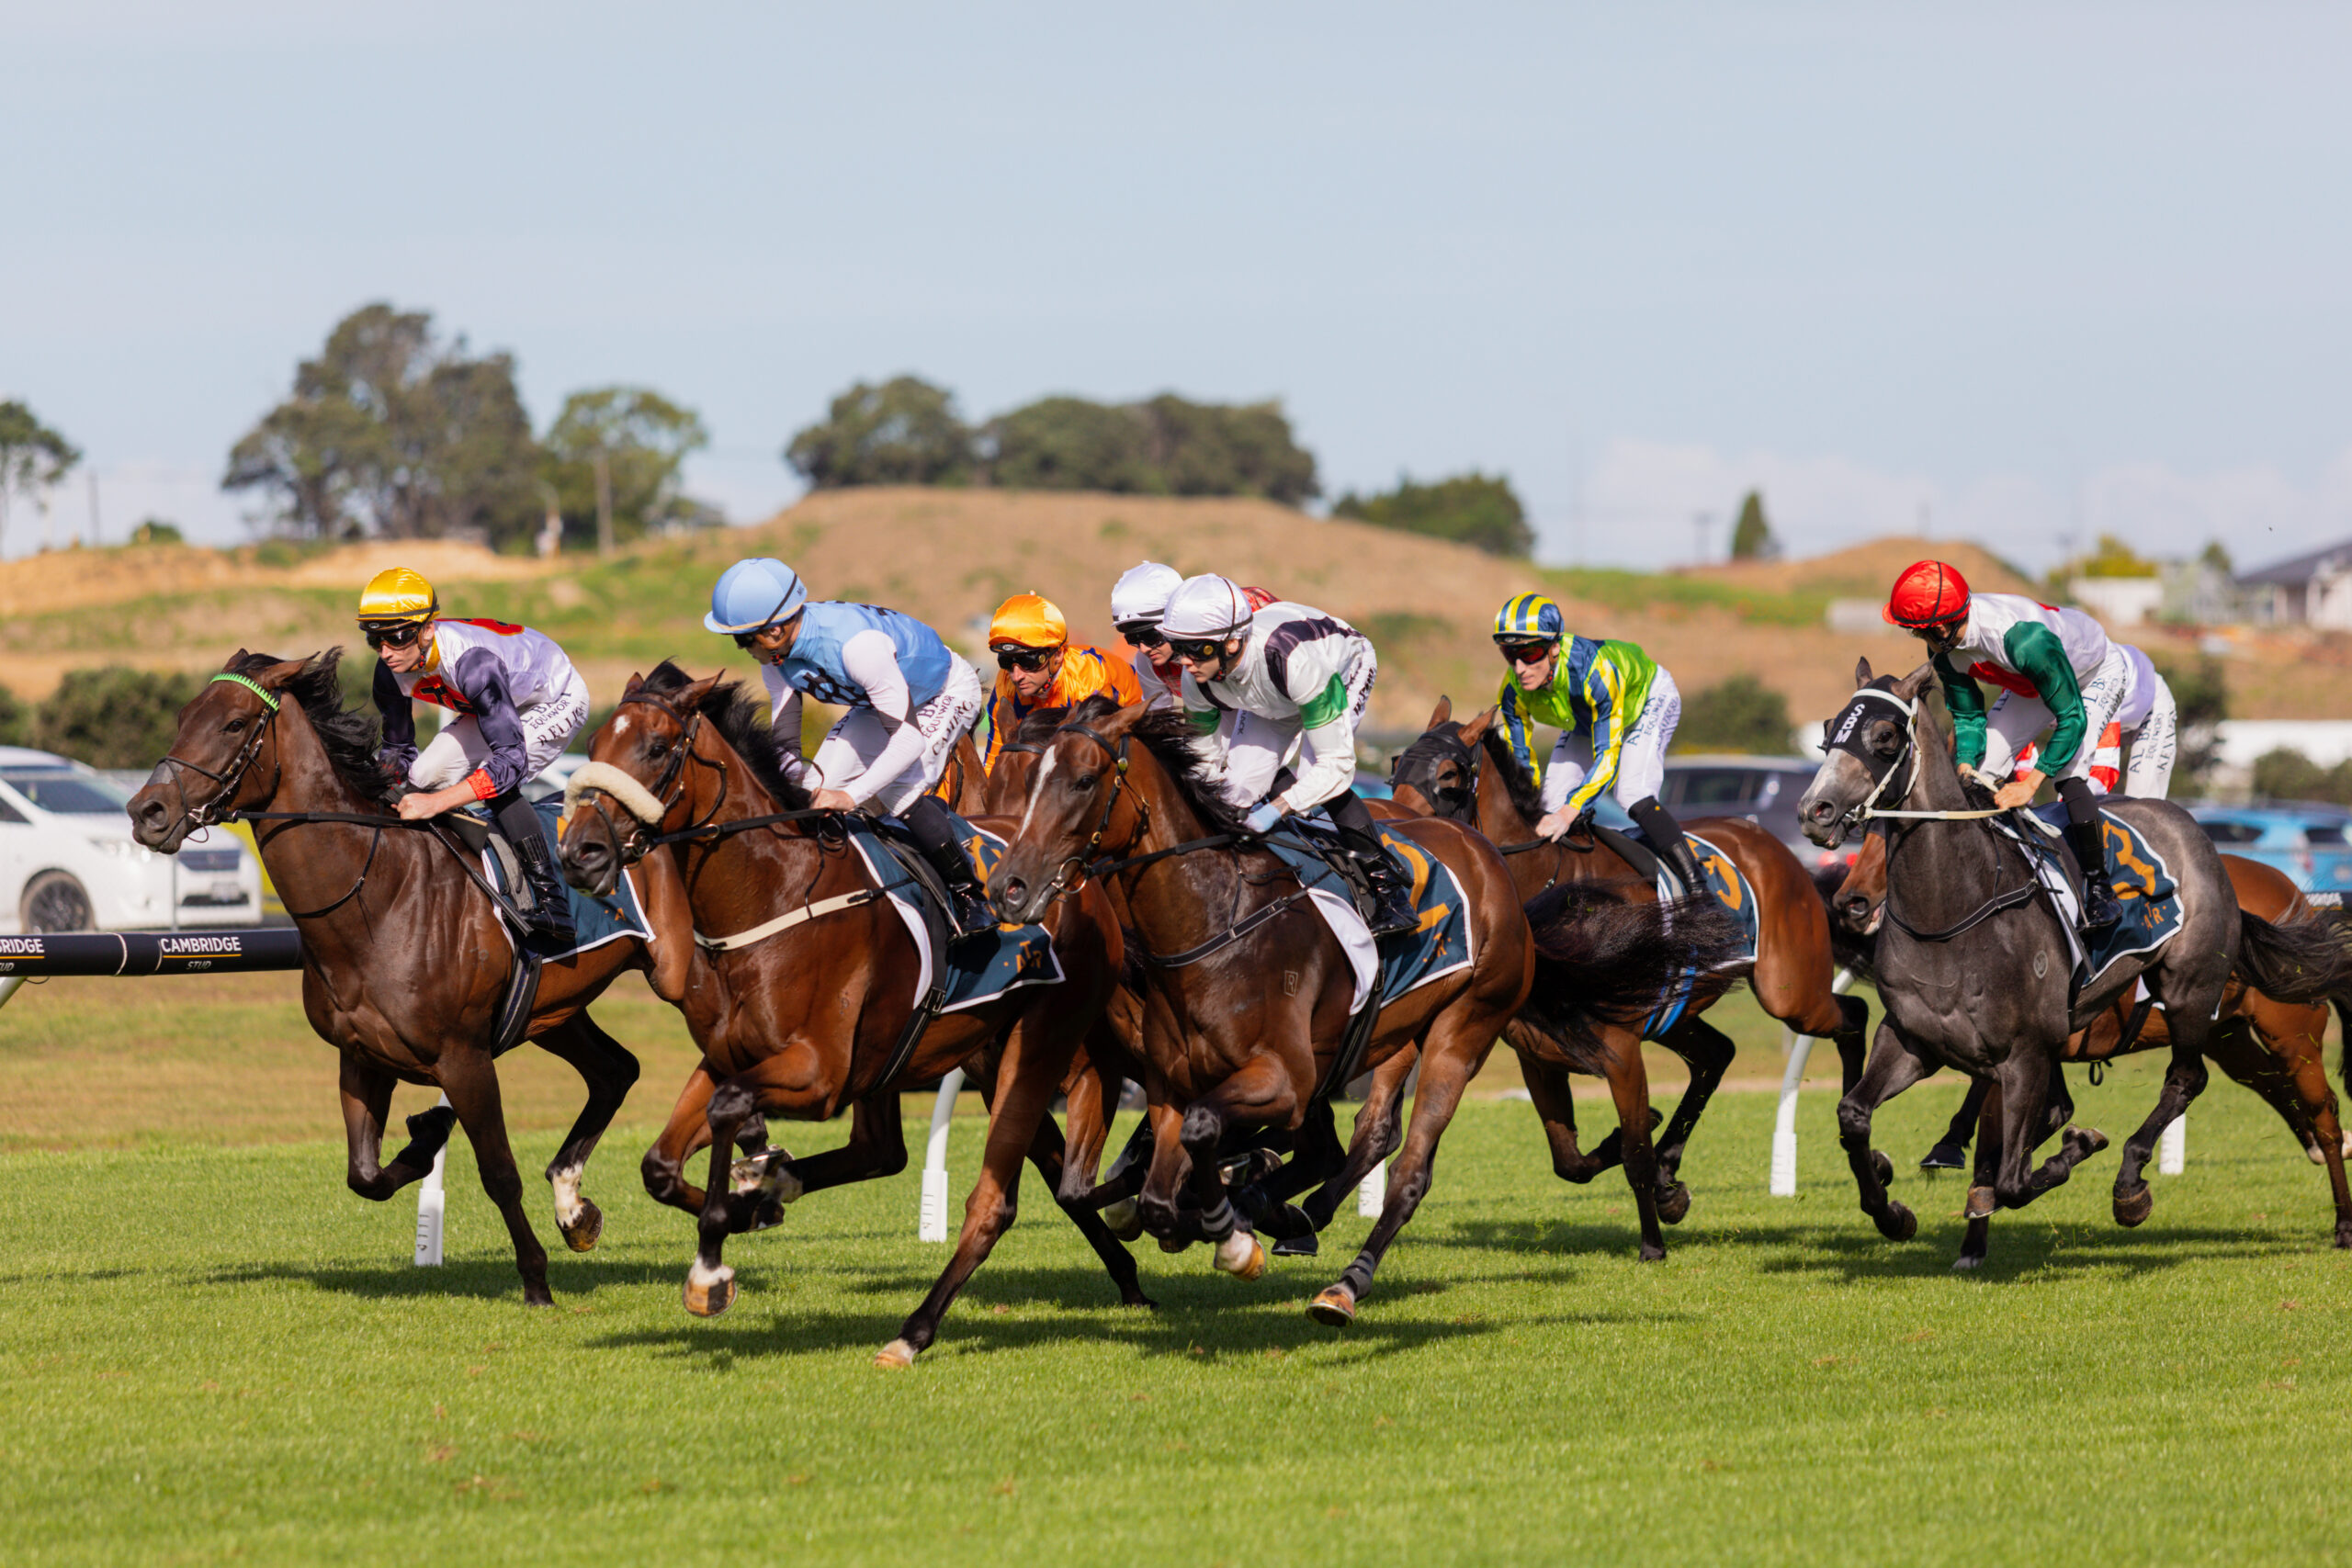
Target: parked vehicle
[(2306, 840), (1765, 790), (69, 863)]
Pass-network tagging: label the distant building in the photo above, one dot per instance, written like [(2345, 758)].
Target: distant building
[(2315, 589), (2118, 602)]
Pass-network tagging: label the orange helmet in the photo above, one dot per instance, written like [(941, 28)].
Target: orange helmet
[(1027, 620)]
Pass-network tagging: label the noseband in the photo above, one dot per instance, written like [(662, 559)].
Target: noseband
[(219, 807), (1433, 747), (1074, 872), (635, 844)]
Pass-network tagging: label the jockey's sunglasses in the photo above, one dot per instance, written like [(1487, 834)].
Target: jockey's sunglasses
[(1030, 659), (1525, 652), (1142, 633), (390, 637), (1198, 649)]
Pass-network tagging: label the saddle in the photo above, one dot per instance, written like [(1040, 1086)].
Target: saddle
[(1637, 853), (467, 836), (1319, 834)]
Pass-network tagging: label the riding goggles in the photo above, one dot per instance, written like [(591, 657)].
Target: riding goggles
[(1142, 633), (748, 640), (1526, 652), (1200, 651), (1030, 659), (397, 635)]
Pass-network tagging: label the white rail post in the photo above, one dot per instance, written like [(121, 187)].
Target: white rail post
[(431, 1200), (930, 1225), (2172, 1148), (1784, 1124), (1372, 1193)]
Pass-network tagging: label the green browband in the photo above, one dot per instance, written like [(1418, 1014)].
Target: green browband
[(251, 685)]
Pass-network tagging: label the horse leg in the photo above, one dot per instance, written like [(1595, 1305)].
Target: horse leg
[(1985, 1096), (1372, 1139), (609, 1071), (1159, 1205), (1261, 1092), (1707, 1051), (2184, 1081), (1046, 1153), (1951, 1150), (1554, 1101), (1808, 1006), (366, 1099), (1088, 1106), (1895, 1066), (663, 1168), (2034, 1104), (471, 1080), (1629, 1086)]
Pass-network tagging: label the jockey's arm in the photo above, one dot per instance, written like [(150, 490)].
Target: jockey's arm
[(1967, 708), (2035, 652), (399, 747), (872, 661), (784, 723), (1328, 758), (1604, 692), (479, 678), (1518, 724)]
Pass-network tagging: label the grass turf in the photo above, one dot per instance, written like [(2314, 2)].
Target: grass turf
[(211, 1353)]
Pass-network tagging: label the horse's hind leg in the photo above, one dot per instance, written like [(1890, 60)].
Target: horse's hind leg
[(471, 1080), (1047, 1154), (1895, 1066), (1374, 1138), (2034, 1104), (1261, 1092), (1629, 1086), (1707, 1051), (664, 1166), (366, 1100), (1985, 1096), (2184, 1081), (610, 1071)]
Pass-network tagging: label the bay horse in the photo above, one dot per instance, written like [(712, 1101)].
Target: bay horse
[(1248, 995), (813, 1017), (405, 961), (2273, 1047), (1465, 771), (1975, 970)]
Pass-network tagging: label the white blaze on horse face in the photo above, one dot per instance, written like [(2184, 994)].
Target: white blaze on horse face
[(1037, 787), (620, 725)]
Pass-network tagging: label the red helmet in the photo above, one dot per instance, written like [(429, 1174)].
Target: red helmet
[(1929, 594)]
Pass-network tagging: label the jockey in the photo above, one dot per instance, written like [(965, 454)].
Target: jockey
[(1295, 673), (1039, 667), (2058, 672), (1137, 600), (909, 699), (1616, 711), (518, 701)]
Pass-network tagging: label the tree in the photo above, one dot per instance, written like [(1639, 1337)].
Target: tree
[(33, 457), (1072, 444), (156, 531), (113, 718), (392, 432), (1227, 449), (643, 438), (1741, 714), (1469, 508), (2284, 774), (1751, 536), (904, 432), (2200, 694), (2115, 558)]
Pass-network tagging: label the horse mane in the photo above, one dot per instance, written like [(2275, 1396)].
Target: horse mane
[(741, 721), (1038, 727), (1526, 794), (350, 736), (1168, 736)]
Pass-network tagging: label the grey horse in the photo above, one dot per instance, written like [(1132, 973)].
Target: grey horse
[(1975, 966)]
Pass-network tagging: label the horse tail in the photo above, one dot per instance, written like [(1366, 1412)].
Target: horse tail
[(2297, 961), (1607, 959)]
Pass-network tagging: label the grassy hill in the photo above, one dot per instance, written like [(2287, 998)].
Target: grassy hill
[(950, 556)]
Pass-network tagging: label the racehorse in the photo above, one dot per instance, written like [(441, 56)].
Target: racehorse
[(1442, 773), (404, 957), (2272, 1047), (1249, 996), (816, 1004), (1975, 969)]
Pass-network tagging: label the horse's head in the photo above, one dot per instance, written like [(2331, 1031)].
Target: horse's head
[(1079, 805), (636, 761), (222, 757), (1860, 903), (1436, 775), (1016, 759), (1870, 754)]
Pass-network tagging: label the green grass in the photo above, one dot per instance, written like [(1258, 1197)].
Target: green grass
[(214, 1353)]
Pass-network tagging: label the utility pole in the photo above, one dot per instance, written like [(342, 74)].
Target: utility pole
[(1701, 522), (604, 502), (92, 474)]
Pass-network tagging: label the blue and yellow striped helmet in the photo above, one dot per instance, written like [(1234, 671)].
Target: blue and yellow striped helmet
[(1527, 617)]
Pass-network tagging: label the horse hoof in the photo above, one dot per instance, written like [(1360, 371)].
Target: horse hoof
[(896, 1355), (1239, 1255), (1945, 1156), (2091, 1138), (2317, 1157), (1174, 1243), (1651, 1253), (1900, 1224), (2132, 1208), (708, 1296), (1334, 1307), (1673, 1202), (1881, 1167), (2344, 1235), (1982, 1201), (1966, 1261), (584, 1233), (537, 1295), (1124, 1218)]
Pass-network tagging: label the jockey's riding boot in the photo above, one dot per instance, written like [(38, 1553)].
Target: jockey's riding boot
[(1392, 891), (550, 917), (935, 834), (2101, 909), (1666, 837)]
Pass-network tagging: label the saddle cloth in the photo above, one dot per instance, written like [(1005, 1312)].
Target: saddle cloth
[(2142, 882), (594, 921), (1730, 888), (1406, 961), (980, 968)]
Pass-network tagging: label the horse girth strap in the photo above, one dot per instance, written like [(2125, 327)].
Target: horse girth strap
[(715, 945), (1224, 938)]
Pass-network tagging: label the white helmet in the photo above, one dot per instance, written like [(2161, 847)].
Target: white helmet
[(1140, 596), (1206, 606)]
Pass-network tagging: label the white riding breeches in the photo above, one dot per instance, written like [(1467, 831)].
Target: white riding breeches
[(460, 748), (1641, 759), (851, 746), (2125, 703)]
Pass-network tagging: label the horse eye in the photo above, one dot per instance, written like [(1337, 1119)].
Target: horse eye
[(233, 725), (1087, 782)]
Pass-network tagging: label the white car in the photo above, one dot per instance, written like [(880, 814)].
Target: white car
[(69, 863)]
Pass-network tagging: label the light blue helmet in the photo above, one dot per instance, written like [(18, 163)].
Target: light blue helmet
[(754, 594)]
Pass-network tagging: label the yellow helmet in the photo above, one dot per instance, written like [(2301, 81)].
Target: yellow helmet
[(397, 597), (1026, 620)]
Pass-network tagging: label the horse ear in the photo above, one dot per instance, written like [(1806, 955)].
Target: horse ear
[(690, 698), (235, 659), (635, 682), (1476, 729), (1118, 721), (1861, 673), (1911, 685), (1442, 713), (277, 674)]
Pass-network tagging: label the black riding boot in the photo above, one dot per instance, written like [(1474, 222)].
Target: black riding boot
[(550, 917), (935, 834), (1392, 891), (1665, 835), (2085, 837)]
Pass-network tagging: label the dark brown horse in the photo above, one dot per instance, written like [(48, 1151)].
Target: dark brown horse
[(811, 1018), (2272, 1047), (1248, 995), (1467, 772), (404, 959)]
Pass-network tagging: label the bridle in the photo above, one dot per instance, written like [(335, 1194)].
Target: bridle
[(1457, 802), (219, 807), (1073, 872), (667, 789)]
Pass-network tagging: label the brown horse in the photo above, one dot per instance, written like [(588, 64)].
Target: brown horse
[(1466, 772), (1248, 994), (2272, 1047), (404, 959), (813, 1017)]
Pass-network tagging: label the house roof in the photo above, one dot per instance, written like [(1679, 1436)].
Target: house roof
[(2296, 570)]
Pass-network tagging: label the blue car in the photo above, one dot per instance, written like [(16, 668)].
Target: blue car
[(2306, 842)]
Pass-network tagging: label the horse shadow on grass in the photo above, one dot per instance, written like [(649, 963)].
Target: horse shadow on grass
[(488, 1280)]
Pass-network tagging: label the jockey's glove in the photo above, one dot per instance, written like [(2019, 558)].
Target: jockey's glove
[(1263, 817)]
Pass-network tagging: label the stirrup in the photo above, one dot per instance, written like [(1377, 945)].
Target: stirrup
[(968, 911)]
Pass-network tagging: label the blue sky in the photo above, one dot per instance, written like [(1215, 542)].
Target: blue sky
[(2026, 272)]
